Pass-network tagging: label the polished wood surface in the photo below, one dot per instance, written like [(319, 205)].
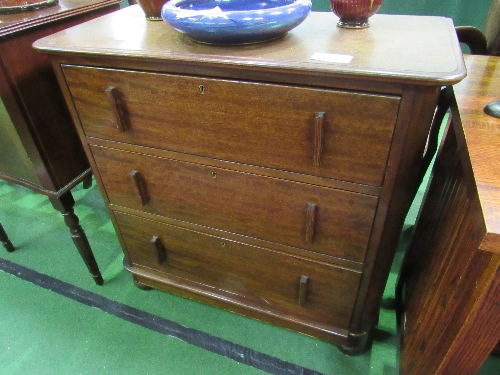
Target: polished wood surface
[(342, 229), (39, 146), (482, 136), (243, 274), (450, 276), (182, 111), (432, 52), (254, 163), (15, 22)]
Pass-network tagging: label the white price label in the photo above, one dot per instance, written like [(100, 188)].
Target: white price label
[(332, 57)]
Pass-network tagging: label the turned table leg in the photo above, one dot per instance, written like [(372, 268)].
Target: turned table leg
[(64, 204), (5, 240)]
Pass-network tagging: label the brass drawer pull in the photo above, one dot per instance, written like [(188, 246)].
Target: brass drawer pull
[(318, 138), (140, 187), (116, 103), (159, 250), (303, 284), (310, 222)]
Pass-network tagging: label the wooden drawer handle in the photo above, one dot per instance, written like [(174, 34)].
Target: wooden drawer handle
[(318, 138), (310, 222), (140, 187), (116, 103), (159, 250), (303, 284)]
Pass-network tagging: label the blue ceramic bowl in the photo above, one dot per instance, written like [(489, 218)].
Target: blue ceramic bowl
[(235, 21)]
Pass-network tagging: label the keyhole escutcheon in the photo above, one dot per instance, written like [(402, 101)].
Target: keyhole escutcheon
[(201, 89)]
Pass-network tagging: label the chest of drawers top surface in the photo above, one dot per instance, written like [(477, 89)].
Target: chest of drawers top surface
[(399, 48)]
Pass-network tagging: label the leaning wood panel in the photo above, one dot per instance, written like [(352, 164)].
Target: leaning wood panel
[(450, 275)]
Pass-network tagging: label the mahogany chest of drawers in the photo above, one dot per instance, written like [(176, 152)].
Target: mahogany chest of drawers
[(255, 178)]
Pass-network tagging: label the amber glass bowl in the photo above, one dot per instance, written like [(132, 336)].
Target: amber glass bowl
[(355, 14)]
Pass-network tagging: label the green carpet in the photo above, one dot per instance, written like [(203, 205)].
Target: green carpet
[(43, 332)]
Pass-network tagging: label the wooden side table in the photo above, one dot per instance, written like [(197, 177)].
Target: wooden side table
[(39, 147), (450, 278)]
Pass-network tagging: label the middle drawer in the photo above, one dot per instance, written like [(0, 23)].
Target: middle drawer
[(320, 219)]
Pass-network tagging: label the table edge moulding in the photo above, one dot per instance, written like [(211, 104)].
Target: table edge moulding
[(23, 20), (39, 146), (258, 120)]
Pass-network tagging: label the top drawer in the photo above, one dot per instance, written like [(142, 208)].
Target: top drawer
[(267, 125)]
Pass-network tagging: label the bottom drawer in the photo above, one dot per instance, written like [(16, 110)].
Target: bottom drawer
[(307, 291)]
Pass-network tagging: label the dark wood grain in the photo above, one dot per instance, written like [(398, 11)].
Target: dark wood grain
[(229, 270), (450, 277), (219, 121), (252, 205)]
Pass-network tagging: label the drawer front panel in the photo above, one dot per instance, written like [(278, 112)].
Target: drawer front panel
[(320, 219), (258, 124), (256, 276)]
